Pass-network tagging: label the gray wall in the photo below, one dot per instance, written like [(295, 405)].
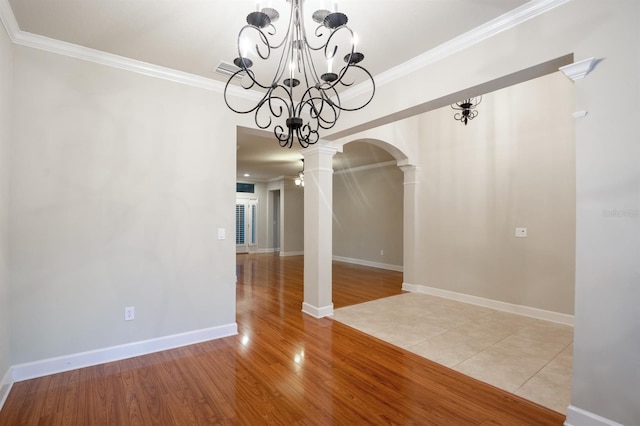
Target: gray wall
[(6, 84), (367, 208), (292, 226), (512, 166), (119, 184)]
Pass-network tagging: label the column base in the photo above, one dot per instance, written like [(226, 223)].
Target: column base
[(317, 312)]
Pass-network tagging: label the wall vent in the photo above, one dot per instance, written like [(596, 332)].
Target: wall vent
[(225, 68)]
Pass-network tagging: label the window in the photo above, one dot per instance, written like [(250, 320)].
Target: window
[(245, 187), (239, 223)]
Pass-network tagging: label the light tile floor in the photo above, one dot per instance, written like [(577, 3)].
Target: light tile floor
[(522, 355)]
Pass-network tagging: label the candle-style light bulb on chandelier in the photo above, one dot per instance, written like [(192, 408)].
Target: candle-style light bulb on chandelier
[(302, 95), (467, 108)]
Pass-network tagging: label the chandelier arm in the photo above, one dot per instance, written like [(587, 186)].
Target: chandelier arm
[(239, 111), (288, 42), (274, 110), (307, 136), (272, 32), (256, 118), (318, 105), (264, 41), (309, 69), (373, 91), (283, 64), (339, 78), (319, 33), (277, 110), (306, 50), (289, 26), (284, 139)]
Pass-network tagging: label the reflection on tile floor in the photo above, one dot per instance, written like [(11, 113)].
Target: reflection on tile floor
[(522, 355)]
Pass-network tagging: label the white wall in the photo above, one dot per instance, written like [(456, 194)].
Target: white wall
[(606, 369), (512, 166), (98, 278), (119, 184), (6, 84), (367, 208)]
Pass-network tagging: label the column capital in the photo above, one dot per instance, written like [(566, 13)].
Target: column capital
[(319, 150), (407, 168), (410, 174)]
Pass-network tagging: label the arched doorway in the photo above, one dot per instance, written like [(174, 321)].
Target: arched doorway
[(319, 216)]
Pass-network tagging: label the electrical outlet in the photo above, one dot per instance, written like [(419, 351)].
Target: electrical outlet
[(521, 232), (129, 313)]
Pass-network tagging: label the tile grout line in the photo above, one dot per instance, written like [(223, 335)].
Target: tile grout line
[(543, 367)]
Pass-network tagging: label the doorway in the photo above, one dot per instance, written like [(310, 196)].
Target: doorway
[(246, 224), (274, 219)]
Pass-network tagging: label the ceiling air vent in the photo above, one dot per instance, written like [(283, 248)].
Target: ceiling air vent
[(225, 68)]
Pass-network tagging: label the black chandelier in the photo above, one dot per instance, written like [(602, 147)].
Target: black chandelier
[(298, 113), (467, 108)]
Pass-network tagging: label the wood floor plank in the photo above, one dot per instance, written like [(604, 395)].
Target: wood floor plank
[(284, 367)]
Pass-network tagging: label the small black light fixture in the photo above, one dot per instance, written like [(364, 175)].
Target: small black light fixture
[(467, 109)]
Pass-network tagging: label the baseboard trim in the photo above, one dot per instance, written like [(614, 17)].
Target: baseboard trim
[(492, 304), (267, 250), (579, 417), (49, 366), (5, 386), (379, 265), (291, 253), (316, 312)]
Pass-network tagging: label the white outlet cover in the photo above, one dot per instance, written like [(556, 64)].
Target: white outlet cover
[(129, 313), (521, 232)]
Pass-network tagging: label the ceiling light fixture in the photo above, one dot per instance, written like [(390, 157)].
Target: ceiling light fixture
[(468, 108), (299, 99)]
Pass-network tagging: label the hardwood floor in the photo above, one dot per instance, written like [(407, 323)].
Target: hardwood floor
[(284, 367)]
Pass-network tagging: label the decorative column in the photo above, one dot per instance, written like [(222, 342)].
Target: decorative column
[(318, 228), (411, 228)]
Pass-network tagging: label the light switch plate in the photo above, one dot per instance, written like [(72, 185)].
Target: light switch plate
[(521, 232), (221, 234)]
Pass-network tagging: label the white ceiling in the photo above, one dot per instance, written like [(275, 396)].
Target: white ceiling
[(193, 36)]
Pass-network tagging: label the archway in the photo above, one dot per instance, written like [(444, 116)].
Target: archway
[(318, 246)]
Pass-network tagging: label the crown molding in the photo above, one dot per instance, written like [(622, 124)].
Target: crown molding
[(502, 23), (580, 69), (103, 58), (59, 47), (8, 19)]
